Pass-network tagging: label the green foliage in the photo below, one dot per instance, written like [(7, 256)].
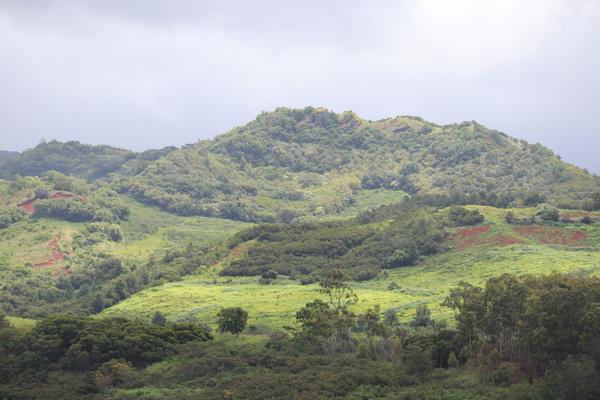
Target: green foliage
[(360, 250), (77, 343), (422, 317), (9, 216), (159, 319), (546, 212), (275, 162), (452, 360), (460, 216), (574, 379), (111, 231), (232, 320), (69, 158), (551, 317)]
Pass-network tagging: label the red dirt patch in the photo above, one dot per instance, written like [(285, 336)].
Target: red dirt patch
[(57, 255), (239, 250), (474, 231), (551, 235), (27, 206), (479, 236), (63, 195)]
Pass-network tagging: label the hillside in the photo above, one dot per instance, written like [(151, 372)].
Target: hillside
[(472, 254), (69, 158), (313, 162), (5, 155)]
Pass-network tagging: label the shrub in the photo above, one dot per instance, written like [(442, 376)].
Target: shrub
[(232, 320)]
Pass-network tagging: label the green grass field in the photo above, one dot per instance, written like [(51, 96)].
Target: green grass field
[(275, 305)]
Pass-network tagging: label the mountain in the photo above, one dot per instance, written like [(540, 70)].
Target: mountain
[(5, 155), (69, 158), (294, 162)]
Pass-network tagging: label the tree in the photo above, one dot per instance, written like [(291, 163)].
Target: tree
[(98, 304), (232, 320), (504, 302), (113, 373), (422, 317), (467, 302), (546, 212), (596, 201), (41, 193), (390, 318), (159, 319), (333, 284)]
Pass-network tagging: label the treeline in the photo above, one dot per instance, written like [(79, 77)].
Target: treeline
[(84, 344), (80, 211), (304, 251), (535, 324), (69, 158)]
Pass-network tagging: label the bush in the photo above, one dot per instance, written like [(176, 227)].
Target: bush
[(502, 376), (460, 216), (10, 215), (546, 212), (232, 320), (111, 231)]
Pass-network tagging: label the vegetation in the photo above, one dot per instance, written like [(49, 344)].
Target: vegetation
[(312, 161), (335, 258), (305, 250), (69, 158)]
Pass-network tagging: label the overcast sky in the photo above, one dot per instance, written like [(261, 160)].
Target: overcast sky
[(144, 74)]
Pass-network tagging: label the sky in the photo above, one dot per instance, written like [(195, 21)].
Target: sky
[(145, 74)]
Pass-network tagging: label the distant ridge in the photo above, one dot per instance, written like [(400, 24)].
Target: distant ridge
[(294, 162)]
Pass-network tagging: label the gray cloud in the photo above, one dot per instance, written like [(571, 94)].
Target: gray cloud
[(141, 74)]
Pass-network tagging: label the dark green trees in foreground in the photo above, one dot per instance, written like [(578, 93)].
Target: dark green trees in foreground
[(533, 338)]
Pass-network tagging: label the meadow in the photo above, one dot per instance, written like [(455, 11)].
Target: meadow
[(474, 255)]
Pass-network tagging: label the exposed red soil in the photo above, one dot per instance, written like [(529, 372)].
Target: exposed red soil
[(473, 231), (479, 236), (63, 195), (551, 235), (57, 255), (29, 208)]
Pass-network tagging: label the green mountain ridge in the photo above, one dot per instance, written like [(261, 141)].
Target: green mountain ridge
[(312, 161)]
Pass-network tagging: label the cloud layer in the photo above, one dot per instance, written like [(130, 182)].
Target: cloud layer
[(141, 74)]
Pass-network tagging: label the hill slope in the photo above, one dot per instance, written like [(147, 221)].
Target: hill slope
[(314, 162), (70, 158), (473, 254), (5, 155)]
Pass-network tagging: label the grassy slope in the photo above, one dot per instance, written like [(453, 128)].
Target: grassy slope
[(275, 305), (148, 230)]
